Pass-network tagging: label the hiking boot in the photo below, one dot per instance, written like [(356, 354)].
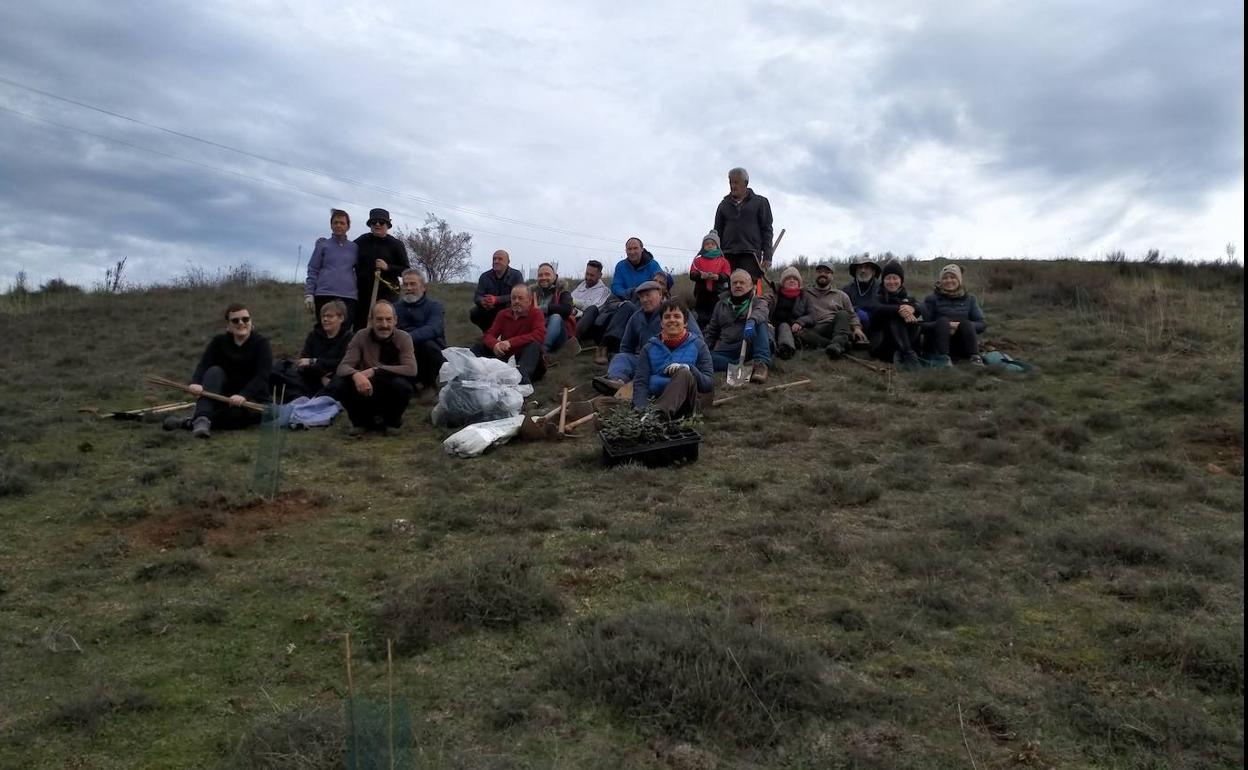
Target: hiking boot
[(909, 362), (976, 360), (835, 351), (355, 431), (785, 352), (759, 375), (201, 427), (547, 361), (939, 361), (177, 423), (600, 355), (607, 386), (392, 430)]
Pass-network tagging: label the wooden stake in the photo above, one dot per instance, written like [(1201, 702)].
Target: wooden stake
[(563, 411), (354, 742), (390, 697), (581, 421), (373, 301), (719, 401), (165, 382)]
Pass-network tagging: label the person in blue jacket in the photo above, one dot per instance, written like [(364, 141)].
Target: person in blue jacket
[(423, 319), (637, 267), (952, 320), (674, 367), (642, 325)]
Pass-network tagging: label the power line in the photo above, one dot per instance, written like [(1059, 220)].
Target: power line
[(319, 172), (285, 185)]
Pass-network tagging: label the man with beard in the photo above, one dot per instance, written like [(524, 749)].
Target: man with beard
[(830, 320), (556, 306), (422, 318), (378, 250), (374, 378), (589, 300), (517, 331), (743, 221), (864, 286), (493, 290), (737, 317)]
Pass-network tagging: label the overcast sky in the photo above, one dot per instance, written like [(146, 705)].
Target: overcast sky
[(556, 130)]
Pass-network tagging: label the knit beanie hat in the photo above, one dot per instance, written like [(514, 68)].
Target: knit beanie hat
[(953, 270), (793, 272), (893, 267), (711, 236)]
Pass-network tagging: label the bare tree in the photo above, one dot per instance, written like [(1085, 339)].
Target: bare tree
[(438, 251)]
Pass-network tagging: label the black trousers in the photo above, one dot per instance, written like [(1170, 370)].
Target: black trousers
[(618, 323), (528, 360), (960, 344), (429, 362), (482, 317), (384, 408), (220, 414), (893, 336), (592, 325), (745, 260)]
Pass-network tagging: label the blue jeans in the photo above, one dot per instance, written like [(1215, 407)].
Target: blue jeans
[(622, 367), (758, 351), (555, 334)]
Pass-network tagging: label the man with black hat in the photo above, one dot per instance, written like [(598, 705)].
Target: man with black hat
[(378, 251), (830, 319), (743, 221)]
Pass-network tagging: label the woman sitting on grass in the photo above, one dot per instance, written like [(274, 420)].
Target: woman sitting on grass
[(674, 366), (323, 349), (893, 319), (952, 320)]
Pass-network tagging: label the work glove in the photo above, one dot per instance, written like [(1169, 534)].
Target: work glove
[(671, 369), (309, 304), (749, 330)]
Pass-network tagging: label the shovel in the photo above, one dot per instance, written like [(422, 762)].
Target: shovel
[(737, 376)]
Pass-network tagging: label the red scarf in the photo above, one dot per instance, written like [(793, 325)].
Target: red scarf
[(672, 344), (793, 293)]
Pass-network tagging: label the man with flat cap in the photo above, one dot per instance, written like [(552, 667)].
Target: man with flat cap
[(378, 250)]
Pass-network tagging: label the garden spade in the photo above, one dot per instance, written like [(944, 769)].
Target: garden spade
[(737, 375)]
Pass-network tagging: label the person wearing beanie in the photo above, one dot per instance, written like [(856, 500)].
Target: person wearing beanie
[(894, 319), (952, 320), (790, 305), (709, 273), (830, 321)]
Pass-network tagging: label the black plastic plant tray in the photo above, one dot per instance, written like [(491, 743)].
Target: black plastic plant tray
[(677, 450)]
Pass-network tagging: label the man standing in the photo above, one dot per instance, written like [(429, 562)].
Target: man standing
[(494, 290), (517, 331), (830, 318), (235, 364), (743, 221), (588, 301), (373, 382), (422, 318), (332, 267), (378, 251)]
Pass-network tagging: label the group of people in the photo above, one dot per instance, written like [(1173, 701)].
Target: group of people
[(379, 338)]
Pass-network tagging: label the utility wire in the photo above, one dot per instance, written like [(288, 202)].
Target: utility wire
[(320, 173), (285, 185)]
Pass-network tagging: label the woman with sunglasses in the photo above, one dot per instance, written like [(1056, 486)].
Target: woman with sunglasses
[(234, 364)]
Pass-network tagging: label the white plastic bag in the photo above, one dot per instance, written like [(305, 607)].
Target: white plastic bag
[(477, 389), (475, 439)]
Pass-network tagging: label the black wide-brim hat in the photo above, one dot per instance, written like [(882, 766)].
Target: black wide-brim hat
[(379, 215)]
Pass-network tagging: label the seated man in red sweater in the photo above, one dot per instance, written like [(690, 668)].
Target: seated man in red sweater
[(517, 331)]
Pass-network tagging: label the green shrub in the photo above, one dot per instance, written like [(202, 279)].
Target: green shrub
[(296, 739), (693, 674)]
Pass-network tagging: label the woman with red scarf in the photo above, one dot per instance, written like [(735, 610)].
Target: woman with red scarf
[(674, 367), (709, 272), (790, 305)]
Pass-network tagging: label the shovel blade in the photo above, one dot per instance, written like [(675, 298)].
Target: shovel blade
[(737, 376)]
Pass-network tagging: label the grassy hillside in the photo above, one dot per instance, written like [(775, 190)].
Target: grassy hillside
[(944, 569)]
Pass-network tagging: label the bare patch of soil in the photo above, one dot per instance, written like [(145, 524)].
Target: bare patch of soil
[(237, 525)]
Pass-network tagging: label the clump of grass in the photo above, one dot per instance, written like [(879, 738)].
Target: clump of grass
[(296, 739), (86, 711), (1212, 659), (1160, 466), (176, 568), (845, 487), (1111, 547), (1071, 436), (1103, 420), (493, 591), (1168, 595), (16, 478), (693, 674)]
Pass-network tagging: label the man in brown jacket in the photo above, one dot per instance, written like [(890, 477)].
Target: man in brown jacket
[(830, 319), (374, 382)]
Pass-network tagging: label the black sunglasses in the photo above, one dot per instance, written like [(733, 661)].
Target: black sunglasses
[(242, 319), (374, 222)]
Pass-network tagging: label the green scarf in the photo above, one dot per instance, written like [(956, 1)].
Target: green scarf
[(713, 253), (742, 306)]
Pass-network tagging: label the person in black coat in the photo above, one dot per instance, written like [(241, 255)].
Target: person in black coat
[(494, 290), (234, 364), (378, 251), (893, 319), (744, 223), (323, 348), (423, 319), (952, 319)]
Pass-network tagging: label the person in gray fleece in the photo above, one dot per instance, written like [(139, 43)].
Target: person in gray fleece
[(830, 320)]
